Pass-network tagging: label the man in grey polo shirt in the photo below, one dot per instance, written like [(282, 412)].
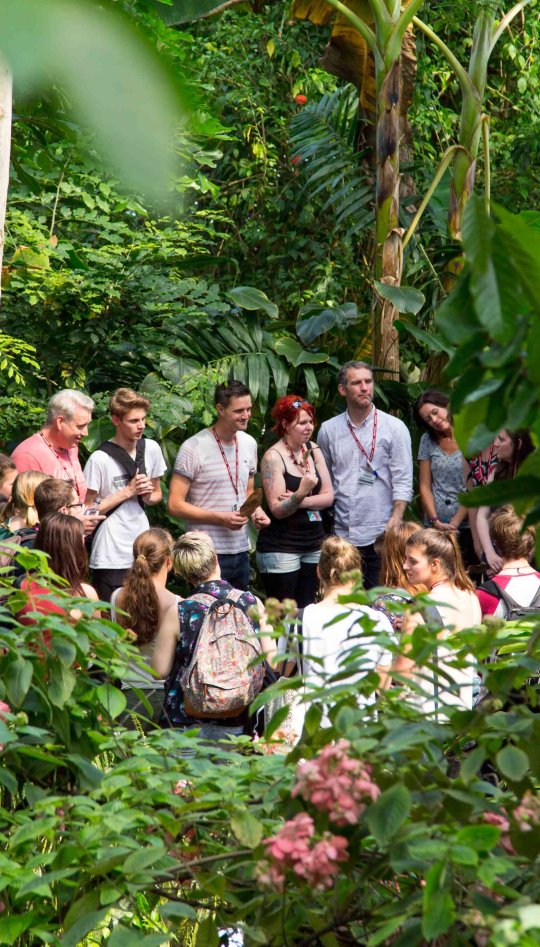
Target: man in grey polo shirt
[(368, 453)]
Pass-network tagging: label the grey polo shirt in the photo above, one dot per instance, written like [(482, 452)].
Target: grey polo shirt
[(363, 509)]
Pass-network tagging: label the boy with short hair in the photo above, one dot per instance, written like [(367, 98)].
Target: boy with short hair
[(123, 475)]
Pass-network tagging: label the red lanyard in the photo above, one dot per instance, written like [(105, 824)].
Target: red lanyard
[(373, 439), (226, 462)]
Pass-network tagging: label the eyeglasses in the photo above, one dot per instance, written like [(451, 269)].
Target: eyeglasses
[(75, 506)]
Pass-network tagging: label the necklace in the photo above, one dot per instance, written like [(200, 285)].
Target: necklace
[(303, 462), (525, 569), (440, 582)]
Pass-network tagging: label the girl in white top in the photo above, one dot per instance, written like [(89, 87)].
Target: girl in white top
[(146, 599), (433, 559), (325, 640)]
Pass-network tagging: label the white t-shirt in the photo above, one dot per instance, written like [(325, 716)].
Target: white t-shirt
[(200, 460), (112, 547), (331, 643)]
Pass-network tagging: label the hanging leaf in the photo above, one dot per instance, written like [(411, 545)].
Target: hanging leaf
[(404, 298), (248, 297), (247, 829), (389, 812)]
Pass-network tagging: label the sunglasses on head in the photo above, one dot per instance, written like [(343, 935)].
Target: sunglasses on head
[(300, 404)]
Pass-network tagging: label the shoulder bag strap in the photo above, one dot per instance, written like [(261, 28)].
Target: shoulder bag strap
[(130, 465)]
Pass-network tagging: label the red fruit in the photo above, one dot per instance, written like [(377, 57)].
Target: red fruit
[(297, 159), (300, 99)]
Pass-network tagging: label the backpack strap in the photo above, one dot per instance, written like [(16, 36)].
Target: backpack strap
[(131, 465), (494, 589)]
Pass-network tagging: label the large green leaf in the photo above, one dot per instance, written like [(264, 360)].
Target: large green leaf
[(389, 812), (296, 355), (404, 298), (249, 297), (324, 318), (247, 829), (19, 677), (112, 699), (119, 87), (431, 340), (512, 762), (478, 233)]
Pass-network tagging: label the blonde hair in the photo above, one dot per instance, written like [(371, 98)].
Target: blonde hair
[(337, 558), (139, 597), (445, 548), (194, 557), (508, 535), (22, 495), (393, 554)]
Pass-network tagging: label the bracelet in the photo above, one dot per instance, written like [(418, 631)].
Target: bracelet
[(433, 520)]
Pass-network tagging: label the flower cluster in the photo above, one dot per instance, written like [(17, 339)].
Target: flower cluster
[(300, 99), (337, 784), (290, 849), (502, 822), (527, 814)]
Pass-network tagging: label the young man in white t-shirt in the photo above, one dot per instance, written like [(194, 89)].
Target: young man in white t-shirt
[(125, 483), (213, 474)]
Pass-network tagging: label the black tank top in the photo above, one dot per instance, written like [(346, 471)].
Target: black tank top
[(296, 533)]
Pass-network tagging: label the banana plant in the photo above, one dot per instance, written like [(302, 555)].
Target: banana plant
[(474, 123)]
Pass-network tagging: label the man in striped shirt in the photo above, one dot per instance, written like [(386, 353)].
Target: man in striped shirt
[(213, 475)]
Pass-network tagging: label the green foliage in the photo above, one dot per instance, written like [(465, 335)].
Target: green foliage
[(323, 143), (90, 51), (134, 840)]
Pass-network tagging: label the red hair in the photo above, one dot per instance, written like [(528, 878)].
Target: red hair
[(286, 411)]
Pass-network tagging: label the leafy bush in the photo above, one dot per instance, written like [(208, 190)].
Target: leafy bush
[(407, 828)]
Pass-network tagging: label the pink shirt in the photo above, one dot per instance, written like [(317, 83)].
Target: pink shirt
[(35, 453)]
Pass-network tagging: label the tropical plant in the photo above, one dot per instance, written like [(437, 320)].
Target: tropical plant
[(391, 826)]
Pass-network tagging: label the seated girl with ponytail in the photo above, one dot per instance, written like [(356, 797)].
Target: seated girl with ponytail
[(433, 559), (146, 599)]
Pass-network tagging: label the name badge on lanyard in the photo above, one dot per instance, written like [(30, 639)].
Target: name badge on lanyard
[(367, 475)]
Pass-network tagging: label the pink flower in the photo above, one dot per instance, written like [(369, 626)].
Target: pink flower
[(501, 820), (290, 849), (181, 787), (321, 864), (527, 813), (4, 709), (337, 784)]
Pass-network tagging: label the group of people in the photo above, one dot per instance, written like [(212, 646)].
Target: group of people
[(326, 508)]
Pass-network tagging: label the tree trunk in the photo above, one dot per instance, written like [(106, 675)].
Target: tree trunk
[(388, 247), (5, 149)]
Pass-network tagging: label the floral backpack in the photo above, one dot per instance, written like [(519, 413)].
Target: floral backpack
[(226, 670)]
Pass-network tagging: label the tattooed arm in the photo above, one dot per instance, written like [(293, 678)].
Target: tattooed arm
[(274, 486)]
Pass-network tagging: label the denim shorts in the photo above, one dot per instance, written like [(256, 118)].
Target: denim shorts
[(286, 561)]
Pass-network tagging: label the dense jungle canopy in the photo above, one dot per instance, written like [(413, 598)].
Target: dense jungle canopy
[(263, 264)]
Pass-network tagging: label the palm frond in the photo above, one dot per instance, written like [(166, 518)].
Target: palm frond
[(323, 136)]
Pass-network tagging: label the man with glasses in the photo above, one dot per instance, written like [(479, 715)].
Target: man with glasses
[(213, 475), (368, 453)]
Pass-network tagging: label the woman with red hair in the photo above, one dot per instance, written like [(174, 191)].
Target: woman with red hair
[(297, 486)]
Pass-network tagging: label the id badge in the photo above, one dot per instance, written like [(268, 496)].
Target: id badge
[(234, 508), (314, 516), (367, 476)]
